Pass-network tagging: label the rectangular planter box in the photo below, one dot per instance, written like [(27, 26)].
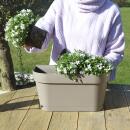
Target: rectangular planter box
[(58, 93)]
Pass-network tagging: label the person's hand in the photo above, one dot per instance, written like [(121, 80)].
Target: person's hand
[(28, 47)]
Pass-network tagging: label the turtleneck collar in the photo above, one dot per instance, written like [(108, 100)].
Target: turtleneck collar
[(86, 6)]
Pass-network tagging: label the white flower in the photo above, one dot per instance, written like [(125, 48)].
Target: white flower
[(16, 27), (81, 72), (12, 34), (99, 66), (19, 14), (65, 71), (58, 69), (86, 61), (86, 69), (22, 26), (29, 11), (82, 55), (32, 20), (23, 11), (6, 38), (7, 28), (61, 66), (16, 33), (73, 65), (89, 67), (77, 62), (17, 40), (93, 57)]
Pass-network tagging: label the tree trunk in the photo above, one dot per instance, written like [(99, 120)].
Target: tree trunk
[(7, 79)]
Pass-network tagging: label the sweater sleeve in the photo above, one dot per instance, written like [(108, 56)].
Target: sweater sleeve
[(114, 50), (46, 23)]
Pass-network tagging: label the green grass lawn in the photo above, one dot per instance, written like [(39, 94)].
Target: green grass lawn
[(123, 72), (30, 60)]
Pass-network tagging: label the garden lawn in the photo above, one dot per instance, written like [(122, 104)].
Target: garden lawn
[(123, 71), (30, 60)]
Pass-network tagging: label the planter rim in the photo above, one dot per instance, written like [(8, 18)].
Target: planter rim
[(47, 74)]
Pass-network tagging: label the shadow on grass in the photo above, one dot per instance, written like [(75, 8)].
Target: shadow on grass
[(117, 96)]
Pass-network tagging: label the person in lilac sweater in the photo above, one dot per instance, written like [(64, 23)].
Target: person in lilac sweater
[(93, 26)]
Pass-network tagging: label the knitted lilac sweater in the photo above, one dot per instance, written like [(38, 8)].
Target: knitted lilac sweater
[(93, 26)]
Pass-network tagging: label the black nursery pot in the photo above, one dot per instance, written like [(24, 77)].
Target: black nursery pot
[(36, 37)]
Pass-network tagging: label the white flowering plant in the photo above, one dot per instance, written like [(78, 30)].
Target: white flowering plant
[(78, 64), (17, 27)]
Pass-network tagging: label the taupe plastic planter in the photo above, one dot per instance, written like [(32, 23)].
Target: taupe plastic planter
[(58, 93)]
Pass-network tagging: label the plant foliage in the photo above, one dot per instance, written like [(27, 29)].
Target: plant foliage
[(17, 28), (78, 64)]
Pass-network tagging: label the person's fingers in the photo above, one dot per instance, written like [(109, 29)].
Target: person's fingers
[(27, 46)]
